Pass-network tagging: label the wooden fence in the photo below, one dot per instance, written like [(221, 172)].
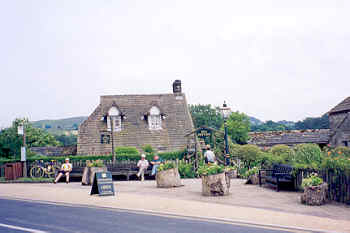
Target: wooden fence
[(338, 183)]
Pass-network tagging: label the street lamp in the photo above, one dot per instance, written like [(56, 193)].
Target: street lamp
[(226, 111)]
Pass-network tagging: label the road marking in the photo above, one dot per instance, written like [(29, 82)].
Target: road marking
[(21, 228)]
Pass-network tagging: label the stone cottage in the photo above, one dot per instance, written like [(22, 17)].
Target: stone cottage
[(337, 135), (160, 120)]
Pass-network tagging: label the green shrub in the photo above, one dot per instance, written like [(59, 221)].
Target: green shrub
[(250, 155), (311, 180), (252, 171), (341, 151), (173, 155), (307, 156), (338, 164), (210, 170), (95, 163), (149, 151), (283, 151), (267, 160), (186, 170), (166, 166)]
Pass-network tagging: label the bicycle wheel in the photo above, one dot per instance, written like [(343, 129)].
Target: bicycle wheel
[(53, 171), (36, 172)]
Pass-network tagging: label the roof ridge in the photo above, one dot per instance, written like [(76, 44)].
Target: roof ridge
[(342, 106)]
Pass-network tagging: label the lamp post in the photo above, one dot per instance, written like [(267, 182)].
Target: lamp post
[(112, 138), (226, 111)]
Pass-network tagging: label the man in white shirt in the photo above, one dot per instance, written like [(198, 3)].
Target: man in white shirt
[(66, 168), (209, 155), (142, 165)]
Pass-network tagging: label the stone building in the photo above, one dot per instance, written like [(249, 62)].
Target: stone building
[(160, 120), (337, 135), (339, 122)]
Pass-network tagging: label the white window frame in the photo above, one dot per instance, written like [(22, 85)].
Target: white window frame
[(114, 114), (154, 119)]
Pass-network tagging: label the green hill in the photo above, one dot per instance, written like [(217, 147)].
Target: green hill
[(61, 126)]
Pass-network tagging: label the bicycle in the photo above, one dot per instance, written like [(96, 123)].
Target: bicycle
[(41, 169)]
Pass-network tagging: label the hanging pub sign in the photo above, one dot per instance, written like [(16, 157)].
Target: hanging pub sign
[(103, 184), (203, 133), (20, 130)]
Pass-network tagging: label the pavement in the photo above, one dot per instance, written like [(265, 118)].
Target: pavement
[(246, 205)]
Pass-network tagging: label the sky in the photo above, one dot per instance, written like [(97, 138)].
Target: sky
[(271, 59)]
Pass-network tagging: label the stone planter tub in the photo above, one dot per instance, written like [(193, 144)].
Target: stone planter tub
[(168, 178), (315, 195), (215, 185)]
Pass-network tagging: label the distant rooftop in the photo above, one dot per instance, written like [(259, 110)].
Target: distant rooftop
[(291, 137)]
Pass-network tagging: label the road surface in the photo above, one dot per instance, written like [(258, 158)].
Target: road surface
[(26, 216)]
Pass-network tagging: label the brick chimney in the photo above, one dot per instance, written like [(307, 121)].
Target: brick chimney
[(177, 87)]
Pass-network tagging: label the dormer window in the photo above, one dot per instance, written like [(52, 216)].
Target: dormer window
[(154, 119), (114, 118)]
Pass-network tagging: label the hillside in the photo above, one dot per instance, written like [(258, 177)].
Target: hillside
[(61, 126)]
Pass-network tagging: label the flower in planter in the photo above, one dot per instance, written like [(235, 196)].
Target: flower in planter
[(312, 180), (252, 171), (206, 170), (166, 166), (96, 163)]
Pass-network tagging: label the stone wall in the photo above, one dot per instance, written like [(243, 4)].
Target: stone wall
[(55, 151), (292, 137)]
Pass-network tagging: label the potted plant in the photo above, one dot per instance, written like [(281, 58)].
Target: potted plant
[(214, 180), (252, 176), (91, 168), (168, 175), (231, 171), (315, 190)]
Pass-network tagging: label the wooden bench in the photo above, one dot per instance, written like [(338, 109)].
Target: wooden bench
[(278, 175)]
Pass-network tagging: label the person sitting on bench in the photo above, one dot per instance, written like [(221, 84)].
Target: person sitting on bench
[(66, 168)]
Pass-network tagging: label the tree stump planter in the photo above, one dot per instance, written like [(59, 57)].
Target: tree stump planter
[(215, 185), (89, 173), (168, 178), (315, 195), (253, 179)]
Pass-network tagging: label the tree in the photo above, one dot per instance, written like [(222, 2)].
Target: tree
[(206, 115), (313, 123), (66, 140), (11, 142), (238, 126)]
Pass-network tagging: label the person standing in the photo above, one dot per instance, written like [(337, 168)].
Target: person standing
[(66, 168), (142, 164), (155, 162), (209, 156)]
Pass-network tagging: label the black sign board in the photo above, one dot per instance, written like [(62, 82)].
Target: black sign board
[(103, 184)]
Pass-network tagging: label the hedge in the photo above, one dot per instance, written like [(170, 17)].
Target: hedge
[(122, 154)]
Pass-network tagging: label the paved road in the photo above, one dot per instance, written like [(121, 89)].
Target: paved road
[(20, 216)]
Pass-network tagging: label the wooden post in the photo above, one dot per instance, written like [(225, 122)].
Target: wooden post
[(25, 146)]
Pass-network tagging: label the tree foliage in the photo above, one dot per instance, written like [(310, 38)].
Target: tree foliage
[(206, 115), (238, 126), (313, 123), (11, 142)]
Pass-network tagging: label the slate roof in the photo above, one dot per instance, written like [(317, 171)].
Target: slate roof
[(341, 107), (176, 124), (292, 137)]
